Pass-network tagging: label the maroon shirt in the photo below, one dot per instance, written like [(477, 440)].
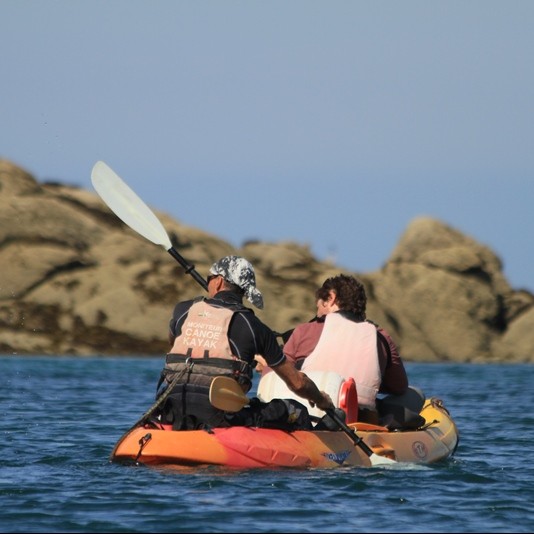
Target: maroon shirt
[(306, 336)]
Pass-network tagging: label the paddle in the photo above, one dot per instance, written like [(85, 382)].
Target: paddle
[(226, 394), (135, 213)]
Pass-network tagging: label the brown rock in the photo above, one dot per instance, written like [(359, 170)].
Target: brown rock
[(75, 280)]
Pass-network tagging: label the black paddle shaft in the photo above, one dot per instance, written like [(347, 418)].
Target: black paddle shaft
[(352, 435), (189, 267)]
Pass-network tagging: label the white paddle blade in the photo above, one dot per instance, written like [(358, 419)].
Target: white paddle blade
[(127, 206)]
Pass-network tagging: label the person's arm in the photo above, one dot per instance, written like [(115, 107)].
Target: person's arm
[(394, 377), (303, 386), (295, 380), (261, 365)]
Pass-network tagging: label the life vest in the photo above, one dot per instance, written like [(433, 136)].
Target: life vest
[(204, 342), (349, 349), (205, 332)]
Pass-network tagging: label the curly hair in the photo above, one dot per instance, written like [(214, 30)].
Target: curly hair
[(350, 294)]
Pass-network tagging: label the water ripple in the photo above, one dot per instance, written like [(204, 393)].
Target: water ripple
[(62, 417)]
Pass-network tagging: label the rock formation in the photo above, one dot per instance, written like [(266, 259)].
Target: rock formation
[(76, 280)]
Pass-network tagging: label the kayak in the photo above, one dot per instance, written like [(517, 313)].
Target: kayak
[(244, 447), (250, 447), (351, 443)]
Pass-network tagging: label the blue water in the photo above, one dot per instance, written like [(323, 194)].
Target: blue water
[(61, 418)]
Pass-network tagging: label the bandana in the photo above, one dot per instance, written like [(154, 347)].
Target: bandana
[(240, 272)]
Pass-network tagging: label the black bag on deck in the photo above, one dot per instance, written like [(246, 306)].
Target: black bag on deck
[(188, 408), (282, 414)]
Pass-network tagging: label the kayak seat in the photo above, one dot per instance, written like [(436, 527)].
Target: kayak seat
[(348, 400), (398, 412), (342, 392)]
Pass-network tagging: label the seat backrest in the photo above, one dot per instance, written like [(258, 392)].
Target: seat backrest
[(348, 400), (341, 391)]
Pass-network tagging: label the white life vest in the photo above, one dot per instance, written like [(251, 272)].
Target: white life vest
[(349, 349)]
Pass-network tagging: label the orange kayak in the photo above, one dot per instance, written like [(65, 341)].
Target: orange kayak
[(245, 447)]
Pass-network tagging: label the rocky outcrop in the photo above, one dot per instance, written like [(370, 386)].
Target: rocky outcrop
[(445, 296), (76, 280)]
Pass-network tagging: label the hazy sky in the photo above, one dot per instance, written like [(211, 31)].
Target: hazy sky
[(331, 123)]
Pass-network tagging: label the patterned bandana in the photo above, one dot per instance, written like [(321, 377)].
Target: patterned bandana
[(240, 272)]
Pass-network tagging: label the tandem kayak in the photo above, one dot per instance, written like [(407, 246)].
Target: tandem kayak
[(355, 443), (435, 439)]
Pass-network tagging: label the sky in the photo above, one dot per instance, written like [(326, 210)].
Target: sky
[(331, 124)]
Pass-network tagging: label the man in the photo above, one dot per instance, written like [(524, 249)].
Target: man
[(218, 336), (341, 339)]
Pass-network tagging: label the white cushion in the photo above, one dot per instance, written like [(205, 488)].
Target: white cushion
[(271, 387)]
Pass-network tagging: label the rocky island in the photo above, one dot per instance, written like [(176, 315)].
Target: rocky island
[(77, 281)]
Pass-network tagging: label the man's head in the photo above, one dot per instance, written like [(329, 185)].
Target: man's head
[(346, 292), (238, 272)]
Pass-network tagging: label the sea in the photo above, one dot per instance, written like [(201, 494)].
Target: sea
[(61, 417)]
